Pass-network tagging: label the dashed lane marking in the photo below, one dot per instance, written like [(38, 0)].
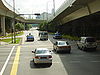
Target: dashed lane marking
[(95, 61)]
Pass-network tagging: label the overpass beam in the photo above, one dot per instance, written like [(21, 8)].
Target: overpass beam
[(3, 26)]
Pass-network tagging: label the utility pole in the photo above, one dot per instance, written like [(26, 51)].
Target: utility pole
[(54, 7), (14, 21), (47, 16), (47, 11)]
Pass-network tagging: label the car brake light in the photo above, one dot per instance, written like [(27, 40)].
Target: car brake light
[(69, 46), (50, 56), (37, 57)]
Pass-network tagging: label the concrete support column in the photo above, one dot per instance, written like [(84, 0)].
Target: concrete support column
[(3, 25)]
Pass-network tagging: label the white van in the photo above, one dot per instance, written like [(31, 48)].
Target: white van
[(87, 43), (43, 35)]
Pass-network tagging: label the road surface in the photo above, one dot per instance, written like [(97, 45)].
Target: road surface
[(17, 59)]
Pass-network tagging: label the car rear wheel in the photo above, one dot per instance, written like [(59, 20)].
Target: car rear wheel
[(78, 46), (69, 51), (50, 64), (83, 48), (54, 49), (57, 51)]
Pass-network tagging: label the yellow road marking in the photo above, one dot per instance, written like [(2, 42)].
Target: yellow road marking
[(15, 63)]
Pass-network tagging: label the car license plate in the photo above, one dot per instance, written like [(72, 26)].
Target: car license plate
[(43, 57)]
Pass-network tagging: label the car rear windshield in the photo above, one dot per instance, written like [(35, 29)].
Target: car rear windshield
[(41, 51), (57, 34), (30, 36), (44, 33), (90, 40), (63, 43)]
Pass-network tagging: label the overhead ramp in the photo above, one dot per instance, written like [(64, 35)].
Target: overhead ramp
[(73, 9)]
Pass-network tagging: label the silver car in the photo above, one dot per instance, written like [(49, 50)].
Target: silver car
[(62, 46), (42, 55), (87, 43), (43, 35)]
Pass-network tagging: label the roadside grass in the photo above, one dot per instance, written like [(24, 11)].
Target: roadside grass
[(67, 36), (10, 35), (19, 33), (10, 40), (51, 33), (70, 37)]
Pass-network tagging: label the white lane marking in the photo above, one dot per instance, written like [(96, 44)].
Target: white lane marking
[(56, 62), (75, 61), (4, 66), (3, 48), (96, 55), (95, 61)]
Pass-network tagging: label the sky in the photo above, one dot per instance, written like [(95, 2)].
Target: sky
[(35, 6)]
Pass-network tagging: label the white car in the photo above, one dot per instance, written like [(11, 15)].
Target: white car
[(42, 55), (43, 35), (62, 46), (87, 43)]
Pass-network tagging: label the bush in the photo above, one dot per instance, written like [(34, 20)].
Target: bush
[(19, 27), (71, 37)]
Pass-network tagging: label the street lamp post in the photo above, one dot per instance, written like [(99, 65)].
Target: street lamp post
[(47, 11), (47, 16), (13, 23), (54, 7)]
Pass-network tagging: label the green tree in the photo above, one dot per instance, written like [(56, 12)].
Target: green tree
[(28, 26), (19, 27), (43, 26)]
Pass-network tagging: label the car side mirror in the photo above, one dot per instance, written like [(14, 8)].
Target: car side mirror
[(33, 51)]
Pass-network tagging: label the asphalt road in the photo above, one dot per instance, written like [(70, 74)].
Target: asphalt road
[(7, 55), (80, 62), (21, 59), (27, 67), (17, 60)]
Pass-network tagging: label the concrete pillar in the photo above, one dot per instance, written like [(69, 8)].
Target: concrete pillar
[(3, 26)]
